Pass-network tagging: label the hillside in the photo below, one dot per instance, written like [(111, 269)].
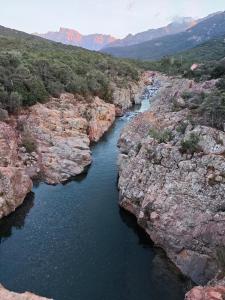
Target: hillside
[(213, 49), (209, 28), (75, 38), (33, 68), (180, 25)]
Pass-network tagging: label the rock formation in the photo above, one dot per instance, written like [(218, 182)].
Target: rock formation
[(7, 295), (14, 182), (63, 141), (177, 197)]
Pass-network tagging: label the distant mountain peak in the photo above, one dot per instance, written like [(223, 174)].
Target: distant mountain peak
[(198, 32), (73, 37)]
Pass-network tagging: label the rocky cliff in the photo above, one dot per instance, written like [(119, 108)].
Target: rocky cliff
[(171, 177), (51, 141), (7, 295)]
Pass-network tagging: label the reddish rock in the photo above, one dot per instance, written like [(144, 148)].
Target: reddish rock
[(75, 38), (14, 182), (14, 186)]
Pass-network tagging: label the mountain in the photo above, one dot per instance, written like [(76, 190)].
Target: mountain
[(181, 24), (210, 27), (73, 37)]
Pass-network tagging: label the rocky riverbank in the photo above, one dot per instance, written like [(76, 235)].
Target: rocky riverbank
[(176, 194), (7, 295), (51, 142)]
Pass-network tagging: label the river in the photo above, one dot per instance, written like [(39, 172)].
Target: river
[(73, 242)]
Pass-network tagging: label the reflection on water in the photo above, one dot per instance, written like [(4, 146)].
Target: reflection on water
[(17, 219)]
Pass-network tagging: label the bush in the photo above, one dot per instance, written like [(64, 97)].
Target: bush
[(3, 114), (29, 143), (161, 136), (212, 110), (190, 145), (187, 95), (55, 88), (15, 102), (218, 71), (181, 128)]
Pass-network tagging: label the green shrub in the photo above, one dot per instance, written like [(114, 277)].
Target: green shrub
[(15, 102), (187, 95), (218, 71), (55, 88), (190, 145), (181, 128), (212, 110), (29, 143), (163, 136)]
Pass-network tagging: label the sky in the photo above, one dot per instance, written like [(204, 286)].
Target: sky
[(115, 17)]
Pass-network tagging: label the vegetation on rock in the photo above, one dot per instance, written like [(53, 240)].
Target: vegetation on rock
[(163, 136), (190, 145)]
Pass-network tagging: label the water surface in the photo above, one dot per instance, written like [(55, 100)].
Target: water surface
[(72, 242)]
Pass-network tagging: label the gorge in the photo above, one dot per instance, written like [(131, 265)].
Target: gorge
[(112, 177), (98, 245)]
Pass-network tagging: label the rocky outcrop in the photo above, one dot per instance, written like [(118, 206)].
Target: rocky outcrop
[(177, 195), (124, 98), (14, 182), (63, 141), (7, 295)]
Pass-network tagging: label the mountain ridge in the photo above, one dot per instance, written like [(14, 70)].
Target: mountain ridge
[(98, 41), (210, 27), (179, 25)]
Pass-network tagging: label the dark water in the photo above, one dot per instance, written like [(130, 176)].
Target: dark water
[(72, 242)]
